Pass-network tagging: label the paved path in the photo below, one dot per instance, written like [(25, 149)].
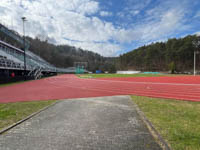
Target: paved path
[(106, 123), (70, 86)]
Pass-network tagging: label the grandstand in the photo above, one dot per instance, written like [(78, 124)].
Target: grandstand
[(12, 59)]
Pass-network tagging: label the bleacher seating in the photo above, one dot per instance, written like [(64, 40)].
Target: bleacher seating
[(12, 58), (17, 56), (7, 63)]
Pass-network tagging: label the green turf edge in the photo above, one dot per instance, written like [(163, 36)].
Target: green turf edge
[(176, 121), (122, 75), (11, 113), (20, 82), (12, 83)]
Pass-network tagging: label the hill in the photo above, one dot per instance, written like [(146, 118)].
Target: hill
[(65, 55), (174, 54), (62, 56)]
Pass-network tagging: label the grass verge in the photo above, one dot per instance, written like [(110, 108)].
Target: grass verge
[(120, 75), (177, 121), (13, 83), (12, 112)]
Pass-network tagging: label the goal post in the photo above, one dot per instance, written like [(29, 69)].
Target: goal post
[(80, 67)]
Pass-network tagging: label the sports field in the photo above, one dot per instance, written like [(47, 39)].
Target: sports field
[(71, 86), (121, 75), (175, 120)]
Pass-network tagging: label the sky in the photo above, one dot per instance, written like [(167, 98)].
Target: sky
[(107, 27)]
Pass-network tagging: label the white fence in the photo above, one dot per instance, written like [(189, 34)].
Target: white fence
[(128, 72)]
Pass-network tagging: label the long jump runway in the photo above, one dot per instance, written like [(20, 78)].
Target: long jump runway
[(70, 86)]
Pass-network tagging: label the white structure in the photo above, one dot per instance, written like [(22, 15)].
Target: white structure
[(128, 72)]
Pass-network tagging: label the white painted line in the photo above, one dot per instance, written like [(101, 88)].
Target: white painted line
[(185, 84)]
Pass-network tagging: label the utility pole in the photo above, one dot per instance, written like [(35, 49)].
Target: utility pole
[(23, 20), (196, 43), (194, 62)]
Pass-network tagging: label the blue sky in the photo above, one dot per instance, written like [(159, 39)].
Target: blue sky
[(108, 27)]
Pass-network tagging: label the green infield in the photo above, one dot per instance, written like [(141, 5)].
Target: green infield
[(177, 121), (12, 112), (120, 75)]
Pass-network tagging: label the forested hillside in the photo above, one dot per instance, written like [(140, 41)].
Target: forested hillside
[(62, 55), (65, 55), (175, 54)]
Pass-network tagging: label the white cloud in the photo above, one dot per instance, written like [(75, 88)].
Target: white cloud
[(197, 15), (105, 13), (64, 19), (134, 12), (137, 5), (197, 33), (77, 21), (159, 24), (105, 49), (121, 14), (169, 22), (133, 8)]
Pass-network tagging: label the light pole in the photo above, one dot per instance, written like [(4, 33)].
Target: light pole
[(23, 20), (196, 43), (194, 62)]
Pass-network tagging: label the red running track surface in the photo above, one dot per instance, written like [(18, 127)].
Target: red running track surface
[(70, 86)]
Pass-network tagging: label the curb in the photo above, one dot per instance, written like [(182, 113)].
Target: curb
[(163, 144), (23, 120)]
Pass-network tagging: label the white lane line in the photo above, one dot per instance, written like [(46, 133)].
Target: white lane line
[(136, 91), (130, 82), (139, 94), (161, 89), (194, 90)]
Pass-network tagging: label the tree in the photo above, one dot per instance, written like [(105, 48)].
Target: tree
[(112, 69), (172, 67), (159, 56)]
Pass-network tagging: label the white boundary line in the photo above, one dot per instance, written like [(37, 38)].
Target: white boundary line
[(135, 92), (144, 82), (130, 82)]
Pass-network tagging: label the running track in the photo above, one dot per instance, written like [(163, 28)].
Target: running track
[(70, 86)]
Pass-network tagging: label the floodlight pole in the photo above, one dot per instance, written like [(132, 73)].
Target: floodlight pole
[(196, 43), (194, 62), (23, 20)]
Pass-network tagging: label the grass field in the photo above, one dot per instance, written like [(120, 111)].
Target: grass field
[(13, 83), (120, 75), (13, 112), (177, 121)]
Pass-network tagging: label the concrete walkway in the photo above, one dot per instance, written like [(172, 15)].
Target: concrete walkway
[(106, 123)]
